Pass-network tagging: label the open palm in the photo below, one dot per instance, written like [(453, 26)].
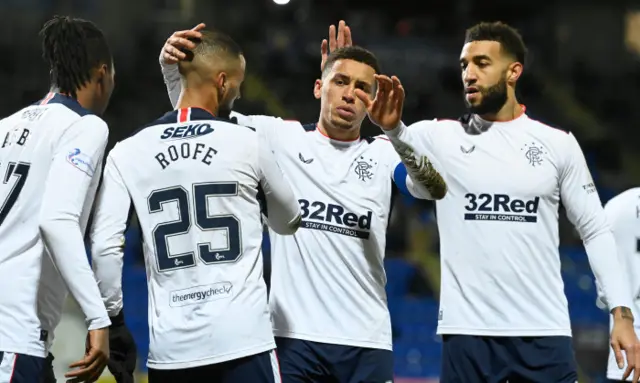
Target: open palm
[(336, 41), (385, 110)]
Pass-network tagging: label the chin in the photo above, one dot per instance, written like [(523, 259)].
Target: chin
[(343, 124)]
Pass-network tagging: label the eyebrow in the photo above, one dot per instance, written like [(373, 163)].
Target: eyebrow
[(475, 58), (358, 82)]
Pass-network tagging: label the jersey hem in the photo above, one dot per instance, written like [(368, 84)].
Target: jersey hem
[(157, 365), (615, 376), (503, 332), (40, 353), (333, 340)]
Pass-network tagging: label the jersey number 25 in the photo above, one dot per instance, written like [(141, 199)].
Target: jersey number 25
[(200, 193)]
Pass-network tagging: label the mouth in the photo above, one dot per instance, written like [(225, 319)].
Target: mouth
[(472, 93), (345, 112), (471, 90)]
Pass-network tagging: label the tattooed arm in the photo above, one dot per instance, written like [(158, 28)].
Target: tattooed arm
[(385, 110), (413, 146)]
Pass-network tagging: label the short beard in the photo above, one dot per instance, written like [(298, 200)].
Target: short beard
[(493, 99)]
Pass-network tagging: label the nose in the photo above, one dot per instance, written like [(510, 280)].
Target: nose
[(469, 75), (349, 95)]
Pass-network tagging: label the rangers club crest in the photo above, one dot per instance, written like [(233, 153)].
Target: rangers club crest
[(534, 154), (364, 168)]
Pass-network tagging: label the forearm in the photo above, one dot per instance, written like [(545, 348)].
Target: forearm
[(107, 236), (171, 77), (601, 250), (419, 167), (108, 270), (64, 240)]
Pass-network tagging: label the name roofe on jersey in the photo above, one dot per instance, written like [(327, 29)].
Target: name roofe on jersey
[(500, 207), (187, 130), (186, 150)]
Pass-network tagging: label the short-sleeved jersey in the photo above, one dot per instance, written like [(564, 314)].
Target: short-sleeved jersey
[(328, 279), (193, 181), (623, 213), (50, 158), (498, 224)]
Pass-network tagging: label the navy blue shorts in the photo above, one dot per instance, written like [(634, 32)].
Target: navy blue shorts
[(304, 361), (20, 368), (480, 359), (259, 368)]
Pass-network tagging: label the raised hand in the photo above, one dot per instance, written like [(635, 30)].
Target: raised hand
[(385, 110), (343, 39), (172, 51)]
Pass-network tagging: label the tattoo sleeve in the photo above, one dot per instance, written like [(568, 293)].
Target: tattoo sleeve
[(422, 171)]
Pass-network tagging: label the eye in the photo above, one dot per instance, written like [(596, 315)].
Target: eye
[(340, 82)]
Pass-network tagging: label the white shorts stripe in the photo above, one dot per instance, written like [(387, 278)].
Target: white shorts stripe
[(7, 365), (275, 366)]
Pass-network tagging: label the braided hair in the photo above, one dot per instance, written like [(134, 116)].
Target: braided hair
[(73, 48)]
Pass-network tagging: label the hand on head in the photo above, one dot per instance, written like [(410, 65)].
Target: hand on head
[(174, 48)]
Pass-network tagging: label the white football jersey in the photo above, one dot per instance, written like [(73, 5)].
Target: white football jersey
[(336, 260), (623, 213), (498, 224), (50, 162), (328, 279), (194, 183)]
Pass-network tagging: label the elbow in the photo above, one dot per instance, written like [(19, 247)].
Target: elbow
[(46, 226), (290, 228), (51, 224), (435, 184), (593, 228), (438, 191)]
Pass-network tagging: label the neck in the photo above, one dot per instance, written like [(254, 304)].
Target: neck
[(198, 98), (337, 133), (84, 96), (509, 111)]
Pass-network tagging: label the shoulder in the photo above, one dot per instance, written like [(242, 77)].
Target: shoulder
[(436, 128), (380, 139), (89, 124), (628, 200), (266, 122), (554, 132), (433, 124)]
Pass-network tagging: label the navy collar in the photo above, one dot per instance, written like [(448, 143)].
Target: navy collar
[(69, 102), (189, 114)]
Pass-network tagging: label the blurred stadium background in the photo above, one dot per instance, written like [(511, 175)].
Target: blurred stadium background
[(583, 74)]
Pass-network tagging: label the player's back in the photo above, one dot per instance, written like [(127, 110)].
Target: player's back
[(623, 213), (194, 182), (29, 141)]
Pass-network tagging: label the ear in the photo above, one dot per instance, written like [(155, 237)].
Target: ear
[(515, 71), (221, 80), (101, 73), (317, 89)]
